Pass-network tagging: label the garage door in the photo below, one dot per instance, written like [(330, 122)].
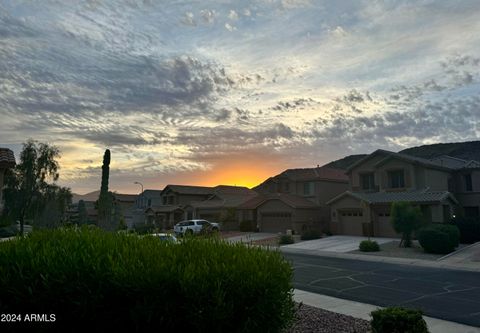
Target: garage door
[(275, 222), (351, 223), (385, 228)]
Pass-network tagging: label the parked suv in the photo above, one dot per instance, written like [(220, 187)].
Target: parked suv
[(190, 227)]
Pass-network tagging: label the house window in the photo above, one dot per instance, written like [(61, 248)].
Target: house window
[(287, 187), (396, 179), (170, 200), (164, 199), (468, 182), (308, 188), (367, 181), (149, 202)]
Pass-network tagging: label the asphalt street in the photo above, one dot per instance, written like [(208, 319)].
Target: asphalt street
[(441, 293)]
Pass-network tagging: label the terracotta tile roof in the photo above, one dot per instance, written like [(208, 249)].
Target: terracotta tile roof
[(389, 197), (294, 201), (187, 189), (226, 196), (7, 159), (319, 173)]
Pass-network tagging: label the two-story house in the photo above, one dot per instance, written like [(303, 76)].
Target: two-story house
[(7, 160), (438, 186), (295, 199)]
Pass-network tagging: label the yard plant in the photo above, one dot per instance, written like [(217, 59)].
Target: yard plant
[(406, 219), (439, 238), (369, 246), (286, 239), (398, 320), (469, 228), (117, 281)]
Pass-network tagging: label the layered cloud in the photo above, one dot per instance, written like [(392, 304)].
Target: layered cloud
[(180, 91)]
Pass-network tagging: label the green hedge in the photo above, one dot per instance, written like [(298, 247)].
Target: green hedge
[(398, 320), (369, 246), (439, 238), (116, 282)]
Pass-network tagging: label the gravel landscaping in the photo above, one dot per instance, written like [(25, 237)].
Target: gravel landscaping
[(311, 319)]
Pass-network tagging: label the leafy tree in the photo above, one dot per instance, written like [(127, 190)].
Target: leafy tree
[(105, 200), (30, 187), (406, 219), (82, 213)]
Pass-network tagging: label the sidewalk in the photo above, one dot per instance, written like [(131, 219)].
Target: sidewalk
[(362, 310)]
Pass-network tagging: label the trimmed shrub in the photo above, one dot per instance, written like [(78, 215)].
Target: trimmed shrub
[(398, 320), (286, 239), (369, 246), (247, 226), (116, 282), (144, 229), (439, 238), (469, 229), (310, 234)]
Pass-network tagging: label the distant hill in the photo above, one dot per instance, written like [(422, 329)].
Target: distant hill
[(465, 150), (92, 196), (345, 162)]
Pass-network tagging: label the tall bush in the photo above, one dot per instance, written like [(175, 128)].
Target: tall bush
[(121, 282), (439, 238), (406, 219)]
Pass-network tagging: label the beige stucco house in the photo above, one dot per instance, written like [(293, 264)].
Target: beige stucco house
[(295, 200), (7, 160), (441, 187)]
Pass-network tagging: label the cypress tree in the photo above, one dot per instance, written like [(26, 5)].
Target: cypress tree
[(105, 199)]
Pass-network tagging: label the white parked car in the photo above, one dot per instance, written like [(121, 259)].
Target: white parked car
[(166, 237), (194, 227)]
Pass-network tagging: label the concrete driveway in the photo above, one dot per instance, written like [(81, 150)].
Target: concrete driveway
[(249, 237), (341, 244)]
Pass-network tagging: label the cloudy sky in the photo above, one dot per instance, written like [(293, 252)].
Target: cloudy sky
[(210, 92)]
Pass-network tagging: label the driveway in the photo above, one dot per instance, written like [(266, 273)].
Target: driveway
[(466, 256), (341, 244)]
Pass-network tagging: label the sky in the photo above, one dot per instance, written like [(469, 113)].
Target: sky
[(233, 92)]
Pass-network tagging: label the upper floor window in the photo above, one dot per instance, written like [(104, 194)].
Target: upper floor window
[(367, 181), (308, 188), (396, 179), (287, 187), (468, 182), (149, 202), (164, 200), (170, 200)]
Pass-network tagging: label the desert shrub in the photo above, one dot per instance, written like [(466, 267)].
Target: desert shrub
[(406, 219), (439, 238), (247, 226), (469, 229), (398, 320), (286, 239), (310, 234), (369, 246), (116, 282)]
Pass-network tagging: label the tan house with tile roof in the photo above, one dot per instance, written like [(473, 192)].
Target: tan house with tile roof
[(7, 161), (441, 187), (299, 196)]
